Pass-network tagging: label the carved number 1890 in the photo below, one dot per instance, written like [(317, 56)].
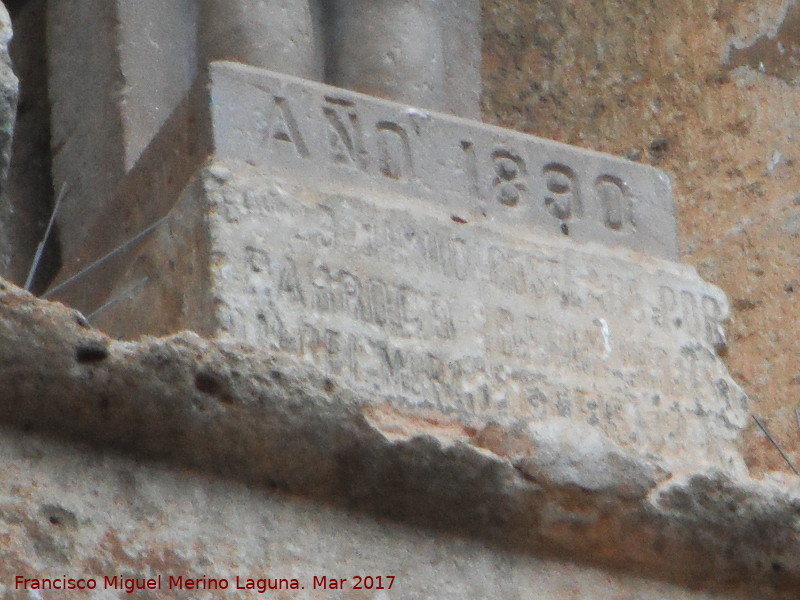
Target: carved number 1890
[(563, 197)]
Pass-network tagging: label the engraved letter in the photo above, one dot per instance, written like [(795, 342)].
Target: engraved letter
[(257, 259), (689, 311), (394, 150), (502, 330), (289, 282), (505, 272), (380, 302), (563, 197), (510, 170), (616, 203), (344, 134), (333, 350), (393, 362), (715, 333), (352, 300), (471, 168), (443, 320), (323, 295), (285, 127), (458, 258), (667, 304)]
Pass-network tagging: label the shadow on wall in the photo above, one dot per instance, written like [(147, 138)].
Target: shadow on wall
[(29, 187)]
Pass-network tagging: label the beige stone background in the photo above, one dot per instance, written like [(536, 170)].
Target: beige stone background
[(708, 91)]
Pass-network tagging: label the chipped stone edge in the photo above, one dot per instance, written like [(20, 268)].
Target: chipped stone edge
[(554, 488)]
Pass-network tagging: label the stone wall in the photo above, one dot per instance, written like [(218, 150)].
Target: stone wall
[(705, 90), (678, 90), (550, 468)]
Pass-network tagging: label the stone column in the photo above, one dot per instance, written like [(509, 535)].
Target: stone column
[(113, 82), (421, 52), (280, 35)]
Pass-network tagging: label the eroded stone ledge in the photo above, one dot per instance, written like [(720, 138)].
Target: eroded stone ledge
[(549, 488), (172, 523)]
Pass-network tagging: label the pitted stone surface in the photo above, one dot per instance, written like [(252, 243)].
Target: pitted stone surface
[(182, 525), (547, 488), (459, 319), (435, 316)]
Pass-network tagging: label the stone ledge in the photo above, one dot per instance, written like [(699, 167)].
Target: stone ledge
[(172, 523), (544, 488)]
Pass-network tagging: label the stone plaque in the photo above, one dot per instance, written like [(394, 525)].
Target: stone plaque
[(335, 139), (443, 268), (435, 315)]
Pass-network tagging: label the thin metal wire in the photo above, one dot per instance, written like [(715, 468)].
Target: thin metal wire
[(40, 248), (122, 247), (774, 443), (123, 294)]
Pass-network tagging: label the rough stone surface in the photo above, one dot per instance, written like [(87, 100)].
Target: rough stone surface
[(270, 420), (361, 252), (671, 88), (175, 524), (9, 89), (435, 316)]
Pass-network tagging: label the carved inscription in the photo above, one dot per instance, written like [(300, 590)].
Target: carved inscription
[(345, 136), (339, 138), (396, 152), (510, 172), (279, 124), (563, 196), (468, 324), (616, 202)]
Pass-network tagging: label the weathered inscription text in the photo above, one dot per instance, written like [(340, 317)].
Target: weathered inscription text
[(461, 321), (343, 140)]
